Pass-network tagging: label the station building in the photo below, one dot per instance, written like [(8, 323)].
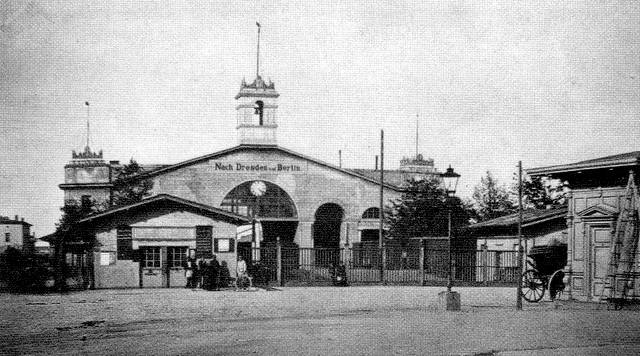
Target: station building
[(229, 201)]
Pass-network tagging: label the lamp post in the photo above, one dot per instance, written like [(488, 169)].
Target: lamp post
[(450, 180)]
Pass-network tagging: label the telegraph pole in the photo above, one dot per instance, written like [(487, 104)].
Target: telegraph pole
[(381, 228), (520, 249)]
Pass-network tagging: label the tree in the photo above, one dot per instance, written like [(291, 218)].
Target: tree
[(540, 192), (72, 212), (68, 231), (422, 210), (492, 200), (128, 188)]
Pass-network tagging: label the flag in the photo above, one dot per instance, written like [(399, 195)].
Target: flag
[(258, 24), (86, 103)]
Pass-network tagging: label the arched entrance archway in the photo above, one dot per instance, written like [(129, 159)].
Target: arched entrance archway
[(326, 233), (269, 204)]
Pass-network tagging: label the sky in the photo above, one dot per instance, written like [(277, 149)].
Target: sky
[(493, 83)]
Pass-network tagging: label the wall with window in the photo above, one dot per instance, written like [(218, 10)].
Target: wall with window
[(11, 235), (156, 241)]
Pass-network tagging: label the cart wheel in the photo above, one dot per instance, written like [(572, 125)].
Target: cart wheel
[(532, 286), (556, 284)]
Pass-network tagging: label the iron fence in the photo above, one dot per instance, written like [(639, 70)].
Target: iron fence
[(417, 266)]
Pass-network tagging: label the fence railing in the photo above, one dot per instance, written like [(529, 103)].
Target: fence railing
[(419, 266)]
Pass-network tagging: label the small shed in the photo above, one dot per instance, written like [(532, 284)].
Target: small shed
[(497, 240)]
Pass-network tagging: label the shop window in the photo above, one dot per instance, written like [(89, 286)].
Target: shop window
[(224, 245), (177, 256), (371, 213), (7, 237), (124, 243), (151, 257)]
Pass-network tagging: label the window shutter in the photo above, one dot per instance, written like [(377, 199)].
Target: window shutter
[(204, 235), (215, 245), (124, 243), (232, 245)]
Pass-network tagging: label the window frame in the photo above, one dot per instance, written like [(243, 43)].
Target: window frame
[(150, 256), (177, 254)]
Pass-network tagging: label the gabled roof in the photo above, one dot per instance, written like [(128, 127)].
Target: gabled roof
[(619, 160), (598, 210), (530, 218), (166, 199), (239, 148)]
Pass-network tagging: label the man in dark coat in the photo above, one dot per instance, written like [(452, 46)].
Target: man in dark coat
[(214, 273), (225, 276)]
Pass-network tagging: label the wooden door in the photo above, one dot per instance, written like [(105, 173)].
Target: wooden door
[(599, 254), (152, 272)]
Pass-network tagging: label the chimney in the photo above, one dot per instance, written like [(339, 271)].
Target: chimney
[(376, 162), (22, 219), (16, 219)]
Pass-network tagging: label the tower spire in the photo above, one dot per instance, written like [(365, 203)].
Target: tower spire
[(258, 53)]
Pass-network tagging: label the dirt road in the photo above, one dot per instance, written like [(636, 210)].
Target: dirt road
[(349, 321)]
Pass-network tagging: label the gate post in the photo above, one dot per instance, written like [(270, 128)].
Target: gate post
[(421, 262), (383, 252), (485, 263), (278, 261)]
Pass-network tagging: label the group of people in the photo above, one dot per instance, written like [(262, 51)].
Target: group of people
[(207, 274)]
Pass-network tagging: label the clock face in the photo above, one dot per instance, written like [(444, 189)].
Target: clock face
[(258, 188)]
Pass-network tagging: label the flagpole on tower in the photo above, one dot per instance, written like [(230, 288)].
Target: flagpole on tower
[(86, 103), (417, 118), (258, 52)]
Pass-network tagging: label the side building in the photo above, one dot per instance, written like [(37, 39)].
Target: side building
[(597, 191), (15, 233)]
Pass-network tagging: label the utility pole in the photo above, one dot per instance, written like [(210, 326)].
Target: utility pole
[(381, 228), (520, 249)]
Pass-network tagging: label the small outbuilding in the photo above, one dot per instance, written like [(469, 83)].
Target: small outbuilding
[(146, 244), (598, 193), (497, 240)]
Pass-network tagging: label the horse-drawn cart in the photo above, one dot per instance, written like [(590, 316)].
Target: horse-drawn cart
[(545, 272)]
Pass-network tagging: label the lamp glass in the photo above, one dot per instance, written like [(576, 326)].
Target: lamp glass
[(450, 179)]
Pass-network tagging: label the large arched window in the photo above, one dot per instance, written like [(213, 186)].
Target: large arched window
[(259, 199), (371, 213)]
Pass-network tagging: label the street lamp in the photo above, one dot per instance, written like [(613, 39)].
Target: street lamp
[(450, 180)]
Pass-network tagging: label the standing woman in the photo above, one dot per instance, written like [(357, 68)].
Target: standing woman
[(189, 270)]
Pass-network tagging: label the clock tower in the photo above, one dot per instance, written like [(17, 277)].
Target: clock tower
[(256, 109), (256, 113)]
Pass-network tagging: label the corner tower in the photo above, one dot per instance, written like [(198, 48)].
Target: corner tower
[(87, 176)]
